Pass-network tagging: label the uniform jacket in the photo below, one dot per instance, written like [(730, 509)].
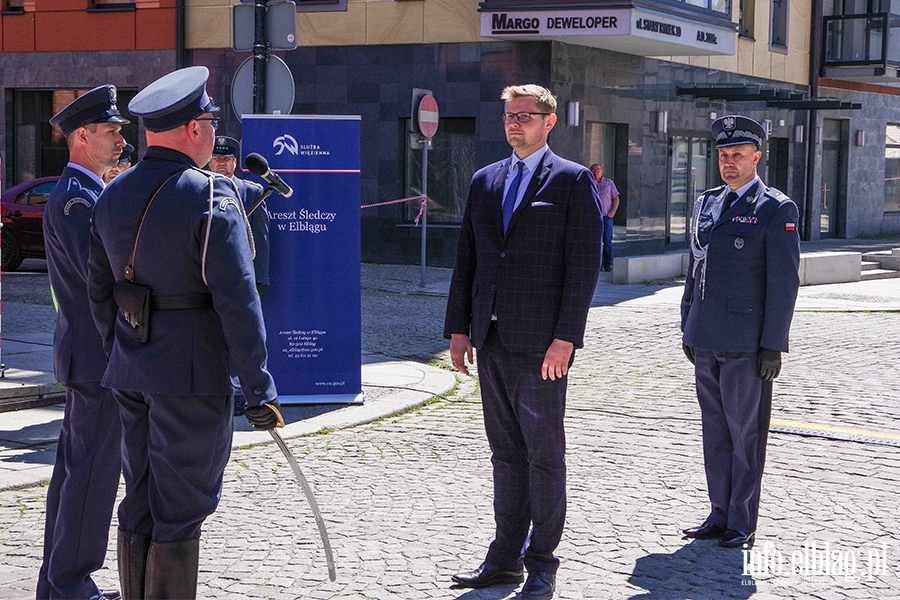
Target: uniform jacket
[(259, 224), (752, 275), (539, 278), (189, 350), (78, 354)]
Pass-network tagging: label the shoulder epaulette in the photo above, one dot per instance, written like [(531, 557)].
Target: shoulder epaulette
[(776, 194), (714, 191)]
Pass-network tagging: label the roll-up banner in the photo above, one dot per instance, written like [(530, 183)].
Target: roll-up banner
[(312, 309)]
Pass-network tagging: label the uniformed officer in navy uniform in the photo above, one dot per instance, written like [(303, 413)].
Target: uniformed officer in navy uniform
[(122, 165), (85, 477), (173, 293), (224, 162), (736, 314)]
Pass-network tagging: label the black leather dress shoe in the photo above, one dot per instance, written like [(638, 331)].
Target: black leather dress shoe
[(707, 531), (487, 575), (538, 586), (736, 539)]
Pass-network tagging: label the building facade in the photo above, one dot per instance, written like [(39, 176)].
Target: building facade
[(638, 82)]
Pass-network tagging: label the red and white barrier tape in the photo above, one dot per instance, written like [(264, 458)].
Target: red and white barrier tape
[(422, 197)]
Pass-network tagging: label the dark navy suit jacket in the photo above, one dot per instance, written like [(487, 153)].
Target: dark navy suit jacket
[(78, 354), (538, 278), (189, 350), (752, 276)]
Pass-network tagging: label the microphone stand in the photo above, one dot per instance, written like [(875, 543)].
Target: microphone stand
[(266, 193)]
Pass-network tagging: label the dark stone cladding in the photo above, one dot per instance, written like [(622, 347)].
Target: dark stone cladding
[(78, 70), (376, 82)]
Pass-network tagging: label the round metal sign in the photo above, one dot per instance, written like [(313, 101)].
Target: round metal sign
[(279, 88), (428, 116)]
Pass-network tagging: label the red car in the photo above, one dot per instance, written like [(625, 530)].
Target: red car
[(22, 235)]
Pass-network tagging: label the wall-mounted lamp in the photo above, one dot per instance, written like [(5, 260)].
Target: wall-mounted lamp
[(574, 114), (798, 134), (818, 135), (781, 122), (662, 121), (861, 138), (713, 116)]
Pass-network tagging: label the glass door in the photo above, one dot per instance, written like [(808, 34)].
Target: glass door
[(833, 186), (689, 166)]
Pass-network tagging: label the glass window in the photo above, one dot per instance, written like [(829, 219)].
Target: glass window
[(104, 4), (321, 5), (451, 164), (748, 19), (37, 195), (892, 168), (780, 12), (35, 149)]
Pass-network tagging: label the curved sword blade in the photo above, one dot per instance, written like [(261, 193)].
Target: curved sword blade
[(307, 490)]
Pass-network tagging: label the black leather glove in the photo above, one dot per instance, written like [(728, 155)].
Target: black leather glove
[(768, 364), (265, 416), (689, 352)]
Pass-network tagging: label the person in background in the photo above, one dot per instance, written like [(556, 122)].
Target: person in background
[(121, 165), (85, 477), (224, 162), (609, 204)]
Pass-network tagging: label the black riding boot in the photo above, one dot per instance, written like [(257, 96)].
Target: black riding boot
[(172, 569), (132, 559)]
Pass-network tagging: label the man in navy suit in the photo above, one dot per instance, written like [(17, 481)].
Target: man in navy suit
[(85, 477), (736, 314), (173, 294), (526, 269)]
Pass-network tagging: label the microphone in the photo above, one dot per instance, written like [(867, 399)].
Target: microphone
[(259, 166)]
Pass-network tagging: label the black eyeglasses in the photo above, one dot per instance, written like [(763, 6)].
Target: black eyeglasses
[(214, 121), (521, 117)]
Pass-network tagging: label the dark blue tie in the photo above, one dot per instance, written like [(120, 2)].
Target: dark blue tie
[(509, 202)]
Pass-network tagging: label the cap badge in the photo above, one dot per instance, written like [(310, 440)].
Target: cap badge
[(112, 95), (728, 123)]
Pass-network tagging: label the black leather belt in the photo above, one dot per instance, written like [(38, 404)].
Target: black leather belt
[(183, 302)]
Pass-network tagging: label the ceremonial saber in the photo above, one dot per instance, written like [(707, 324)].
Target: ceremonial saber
[(307, 490)]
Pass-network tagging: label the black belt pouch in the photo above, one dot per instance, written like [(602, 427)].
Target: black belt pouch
[(134, 300)]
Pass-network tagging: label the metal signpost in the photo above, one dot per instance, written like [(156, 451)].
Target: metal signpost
[(425, 118), (260, 26)]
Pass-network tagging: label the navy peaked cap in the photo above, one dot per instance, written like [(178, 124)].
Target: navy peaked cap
[(226, 146), (174, 99), (95, 106), (732, 130), (126, 153)]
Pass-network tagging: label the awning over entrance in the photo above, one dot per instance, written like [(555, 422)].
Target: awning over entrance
[(773, 97), (631, 30)]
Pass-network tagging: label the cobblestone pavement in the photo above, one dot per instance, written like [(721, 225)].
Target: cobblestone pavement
[(407, 499)]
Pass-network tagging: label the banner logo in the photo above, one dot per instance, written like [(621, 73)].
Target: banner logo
[(286, 142)]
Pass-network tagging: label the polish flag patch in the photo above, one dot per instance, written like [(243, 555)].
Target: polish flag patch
[(790, 227)]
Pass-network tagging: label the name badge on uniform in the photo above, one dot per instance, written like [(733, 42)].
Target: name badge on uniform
[(739, 243), (745, 219)]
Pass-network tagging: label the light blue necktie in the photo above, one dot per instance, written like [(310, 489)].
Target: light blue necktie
[(509, 202)]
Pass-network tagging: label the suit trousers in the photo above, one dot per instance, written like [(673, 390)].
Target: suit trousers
[(82, 492), (735, 408), (175, 452), (523, 418)]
